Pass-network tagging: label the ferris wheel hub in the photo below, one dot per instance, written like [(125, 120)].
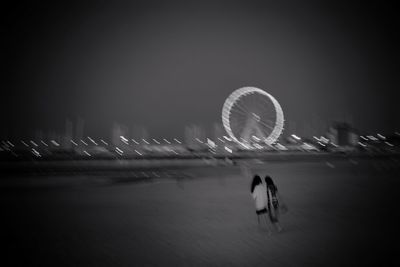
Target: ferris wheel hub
[(256, 117)]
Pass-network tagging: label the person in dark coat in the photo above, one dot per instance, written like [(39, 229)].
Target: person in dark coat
[(273, 202)]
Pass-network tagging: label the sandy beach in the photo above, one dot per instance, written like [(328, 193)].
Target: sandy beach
[(341, 213)]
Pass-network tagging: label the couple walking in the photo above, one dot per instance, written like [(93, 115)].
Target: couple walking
[(266, 200)]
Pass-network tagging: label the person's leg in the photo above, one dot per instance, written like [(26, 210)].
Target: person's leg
[(278, 226), (275, 220), (272, 215), (267, 223)]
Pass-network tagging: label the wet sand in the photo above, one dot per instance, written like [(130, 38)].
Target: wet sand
[(341, 213)]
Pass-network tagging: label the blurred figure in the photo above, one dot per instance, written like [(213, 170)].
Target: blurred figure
[(273, 202), (260, 198)]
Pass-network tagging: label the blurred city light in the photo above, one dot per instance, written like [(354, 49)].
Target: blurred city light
[(227, 138), (91, 140), (54, 143), (119, 151), (176, 140), (35, 152), (104, 142), (11, 144), (44, 143), (308, 147), (156, 141), (296, 137), (281, 147), (211, 143), (320, 143), (124, 140), (33, 143), (25, 144), (228, 149), (324, 140), (246, 146), (389, 144), (258, 146), (144, 140), (87, 153), (133, 140), (84, 142), (362, 144), (166, 141), (381, 136)]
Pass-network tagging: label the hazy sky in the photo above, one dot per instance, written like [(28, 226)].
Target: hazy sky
[(168, 65)]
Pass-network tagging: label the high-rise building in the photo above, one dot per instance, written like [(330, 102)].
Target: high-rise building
[(342, 134)]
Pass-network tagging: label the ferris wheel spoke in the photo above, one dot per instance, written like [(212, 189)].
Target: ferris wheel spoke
[(250, 100), (241, 111), (269, 122), (243, 120), (239, 123), (266, 125), (269, 116), (264, 104), (259, 109), (250, 103), (255, 102), (243, 108)]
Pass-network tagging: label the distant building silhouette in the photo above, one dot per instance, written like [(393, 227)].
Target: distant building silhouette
[(343, 134), (195, 137), (219, 132), (138, 133), (117, 131), (80, 124), (66, 142)]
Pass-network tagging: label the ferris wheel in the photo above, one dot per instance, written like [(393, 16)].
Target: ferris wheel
[(252, 117)]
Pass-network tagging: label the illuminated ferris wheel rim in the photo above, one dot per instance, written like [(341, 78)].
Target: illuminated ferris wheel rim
[(235, 97)]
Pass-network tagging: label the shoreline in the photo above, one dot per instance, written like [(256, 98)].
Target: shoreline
[(89, 166)]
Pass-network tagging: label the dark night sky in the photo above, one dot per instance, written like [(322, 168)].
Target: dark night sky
[(168, 65)]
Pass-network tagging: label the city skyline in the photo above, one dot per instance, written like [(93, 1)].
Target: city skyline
[(76, 130)]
